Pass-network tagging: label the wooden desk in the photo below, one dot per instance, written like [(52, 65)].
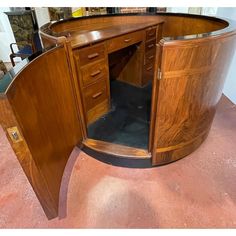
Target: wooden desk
[(91, 59), (46, 107)]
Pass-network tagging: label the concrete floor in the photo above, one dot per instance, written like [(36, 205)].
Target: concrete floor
[(198, 191)]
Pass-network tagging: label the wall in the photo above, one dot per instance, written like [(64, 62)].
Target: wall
[(42, 15), (6, 35), (210, 11), (230, 84), (177, 9)]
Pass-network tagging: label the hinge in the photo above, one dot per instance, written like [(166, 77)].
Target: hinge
[(159, 74)]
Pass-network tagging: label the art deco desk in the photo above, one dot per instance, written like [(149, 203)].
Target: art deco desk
[(131, 90)]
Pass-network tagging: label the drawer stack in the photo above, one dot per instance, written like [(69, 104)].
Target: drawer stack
[(93, 75), (149, 54)]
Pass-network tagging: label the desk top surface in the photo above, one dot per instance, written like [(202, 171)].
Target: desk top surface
[(85, 37)]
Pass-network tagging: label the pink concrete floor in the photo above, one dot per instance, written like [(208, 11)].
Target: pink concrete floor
[(198, 191)]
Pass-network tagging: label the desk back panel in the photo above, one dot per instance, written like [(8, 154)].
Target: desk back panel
[(190, 25)]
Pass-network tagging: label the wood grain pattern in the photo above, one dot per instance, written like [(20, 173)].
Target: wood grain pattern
[(94, 87), (129, 66), (150, 56), (152, 34), (90, 54), (90, 30), (95, 93), (175, 24), (50, 41), (192, 81), (97, 111), (155, 88), (97, 23), (116, 149), (178, 25), (150, 45), (124, 41), (85, 38), (59, 97), (187, 59), (94, 71), (23, 154), (76, 89), (48, 119)]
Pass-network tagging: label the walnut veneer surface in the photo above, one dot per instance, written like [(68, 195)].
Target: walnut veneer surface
[(48, 104)]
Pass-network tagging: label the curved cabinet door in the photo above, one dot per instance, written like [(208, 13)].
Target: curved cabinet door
[(192, 78), (42, 100)]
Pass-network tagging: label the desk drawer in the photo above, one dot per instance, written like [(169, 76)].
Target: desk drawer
[(150, 56), (92, 72), (91, 54), (98, 111), (124, 41), (151, 33), (149, 68), (150, 45), (148, 73), (95, 94)]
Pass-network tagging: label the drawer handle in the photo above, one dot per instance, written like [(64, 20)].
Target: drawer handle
[(127, 40), (150, 57), (97, 95), (91, 56), (150, 45), (151, 34), (149, 68), (95, 73)]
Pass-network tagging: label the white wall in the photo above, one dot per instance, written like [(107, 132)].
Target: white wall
[(177, 9), (209, 11), (230, 84), (6, 35), (42, 15)]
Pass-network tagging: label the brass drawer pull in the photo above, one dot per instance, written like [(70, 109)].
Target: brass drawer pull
[(149, 68), (97, 95), (127, 40), (95, 73), (91, 56), (151, 45), (150, 57)]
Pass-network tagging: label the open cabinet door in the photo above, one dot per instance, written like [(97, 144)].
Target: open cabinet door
[(43, 123), (187, 92)]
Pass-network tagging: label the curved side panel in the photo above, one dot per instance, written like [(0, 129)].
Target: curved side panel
[(193, 75), (42, 99)]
